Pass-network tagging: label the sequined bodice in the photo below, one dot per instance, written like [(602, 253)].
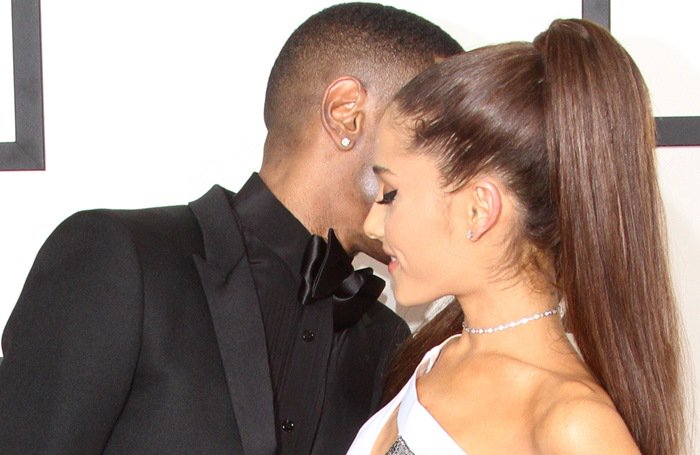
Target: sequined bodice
[(399, 447)]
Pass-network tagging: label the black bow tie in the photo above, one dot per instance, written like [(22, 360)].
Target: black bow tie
[(327, 271)]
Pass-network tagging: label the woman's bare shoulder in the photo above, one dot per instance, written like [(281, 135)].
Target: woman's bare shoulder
[(581, 419)]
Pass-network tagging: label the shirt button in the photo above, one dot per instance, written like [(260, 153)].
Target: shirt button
[(287, 426), (307, 335)]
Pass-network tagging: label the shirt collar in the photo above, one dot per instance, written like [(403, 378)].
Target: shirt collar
[(266, 218)]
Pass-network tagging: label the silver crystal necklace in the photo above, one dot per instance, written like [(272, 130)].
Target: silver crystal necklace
[(510, 325)]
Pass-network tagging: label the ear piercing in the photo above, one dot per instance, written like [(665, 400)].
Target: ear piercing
[(345, 142), (470, 235)]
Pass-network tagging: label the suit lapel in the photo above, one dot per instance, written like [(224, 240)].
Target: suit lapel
[(233, 302)]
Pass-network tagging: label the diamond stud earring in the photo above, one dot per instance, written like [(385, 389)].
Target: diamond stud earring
[(470, 234), (345, 142)]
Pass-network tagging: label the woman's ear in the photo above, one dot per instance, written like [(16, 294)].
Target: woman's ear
[(484, 205), (342, 113)]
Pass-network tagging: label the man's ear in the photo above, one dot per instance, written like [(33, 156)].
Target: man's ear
[(343, 111)]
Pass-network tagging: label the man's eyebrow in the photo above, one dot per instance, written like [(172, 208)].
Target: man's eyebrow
[(379, 170)]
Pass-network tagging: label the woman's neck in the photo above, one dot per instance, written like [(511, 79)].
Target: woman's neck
[(519, 317)]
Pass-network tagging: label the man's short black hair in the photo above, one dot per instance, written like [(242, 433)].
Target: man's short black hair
[(380, 45)]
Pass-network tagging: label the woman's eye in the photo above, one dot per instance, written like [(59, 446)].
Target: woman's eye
[(387, 198)]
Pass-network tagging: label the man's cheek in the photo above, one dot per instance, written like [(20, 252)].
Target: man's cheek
[(368, 184)]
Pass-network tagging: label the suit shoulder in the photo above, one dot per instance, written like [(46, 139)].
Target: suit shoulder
[(159, 218), (120, 221), (380, 315), (378, 312), (86, 229), (87, 267), (86, 243), (149, 226)]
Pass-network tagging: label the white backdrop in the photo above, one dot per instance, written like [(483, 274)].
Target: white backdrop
[(150, 102)]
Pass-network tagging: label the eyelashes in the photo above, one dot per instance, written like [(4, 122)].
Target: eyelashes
[(387, 198)]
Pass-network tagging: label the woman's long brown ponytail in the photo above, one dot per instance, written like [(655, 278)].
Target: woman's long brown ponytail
[(612, 264)]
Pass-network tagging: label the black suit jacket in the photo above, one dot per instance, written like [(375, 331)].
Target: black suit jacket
[(140, 332)]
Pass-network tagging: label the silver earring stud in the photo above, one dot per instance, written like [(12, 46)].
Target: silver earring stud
[(345, 142), (470, 234)]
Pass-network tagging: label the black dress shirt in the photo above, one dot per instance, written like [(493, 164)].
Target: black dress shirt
[(300, 338)]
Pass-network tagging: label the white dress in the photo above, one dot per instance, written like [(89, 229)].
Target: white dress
[(420, 432)]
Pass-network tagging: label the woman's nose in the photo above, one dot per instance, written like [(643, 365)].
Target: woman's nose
[(374, 223)]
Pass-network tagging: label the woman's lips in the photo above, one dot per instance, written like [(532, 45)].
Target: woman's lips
[(393, 264)]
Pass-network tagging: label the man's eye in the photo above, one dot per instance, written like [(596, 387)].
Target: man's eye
[(387, 198)]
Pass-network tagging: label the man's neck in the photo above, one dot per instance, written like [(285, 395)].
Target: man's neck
[(303, 196)]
